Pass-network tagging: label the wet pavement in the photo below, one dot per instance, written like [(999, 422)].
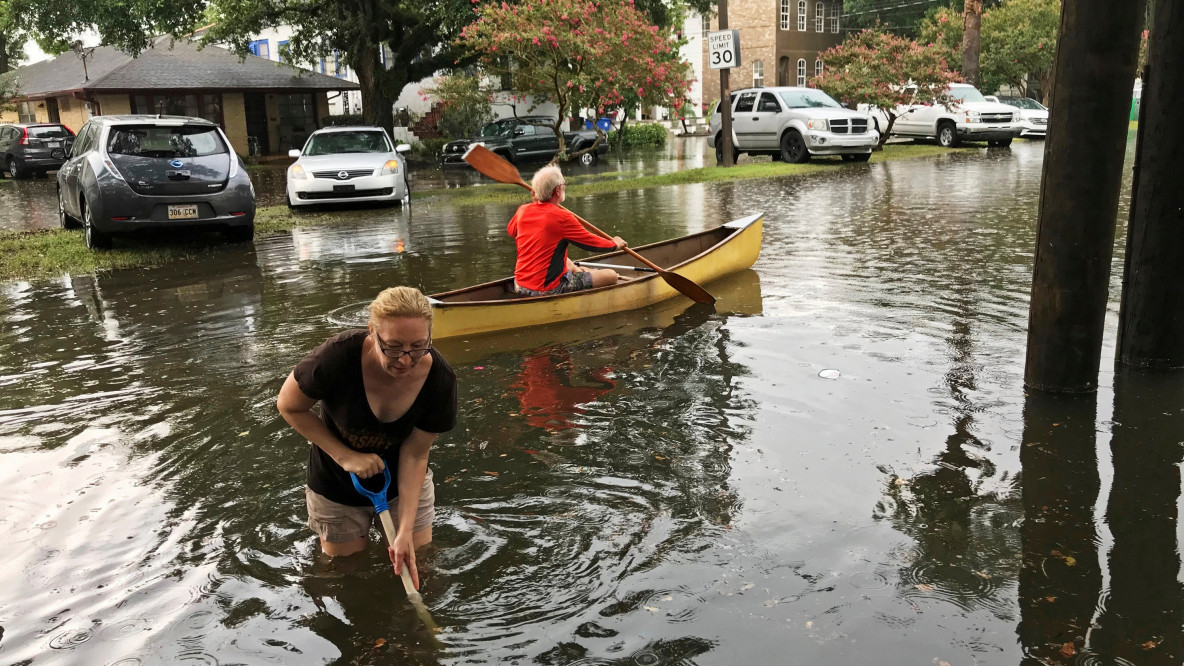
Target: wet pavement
[(839, 464)]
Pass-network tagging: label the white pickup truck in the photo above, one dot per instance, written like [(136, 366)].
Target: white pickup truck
[(970, 118)]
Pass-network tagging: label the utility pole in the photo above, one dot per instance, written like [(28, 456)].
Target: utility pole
[(1151, 323), (725, 96), (972, 23), (1095, 67)]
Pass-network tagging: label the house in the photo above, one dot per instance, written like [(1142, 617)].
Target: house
[(780, 42), (264, 107)]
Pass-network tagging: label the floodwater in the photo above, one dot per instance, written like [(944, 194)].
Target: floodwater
[(838, 466)]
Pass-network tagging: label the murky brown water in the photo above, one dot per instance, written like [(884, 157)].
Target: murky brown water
[(839, 466)]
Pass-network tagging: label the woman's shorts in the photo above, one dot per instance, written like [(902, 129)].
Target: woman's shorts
[(339, 523), (568, 282)]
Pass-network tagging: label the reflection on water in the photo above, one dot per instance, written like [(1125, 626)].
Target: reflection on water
[(675, 485)]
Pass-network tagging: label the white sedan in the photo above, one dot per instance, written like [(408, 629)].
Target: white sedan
[(346, 165), (1033, 115)]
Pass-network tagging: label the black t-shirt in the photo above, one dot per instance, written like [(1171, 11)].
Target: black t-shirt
[(332, 373)]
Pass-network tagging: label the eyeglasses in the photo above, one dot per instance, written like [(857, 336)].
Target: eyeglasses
[(397, 354)]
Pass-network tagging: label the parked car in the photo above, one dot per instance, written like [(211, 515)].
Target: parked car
[(27, 149), (970, 118), (529, 138), (794, 124), (132, 172), (1033, 118), (348, 165)]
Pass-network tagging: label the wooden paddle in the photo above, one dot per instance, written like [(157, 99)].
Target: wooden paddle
[(496, 167)]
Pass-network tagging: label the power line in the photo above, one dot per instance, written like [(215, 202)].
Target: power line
[(888, 8)]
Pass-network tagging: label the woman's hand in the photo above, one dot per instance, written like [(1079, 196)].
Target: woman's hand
[(365, 465), (403, 554)]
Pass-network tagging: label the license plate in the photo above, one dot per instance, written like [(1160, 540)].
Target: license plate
[(54, 144), (183, 212), (343, 188)]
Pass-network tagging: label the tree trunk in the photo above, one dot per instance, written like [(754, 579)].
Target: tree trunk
[(1151, 323), (3, 53), (376, 106), (1079, 193), (972, 21), (621, 131)]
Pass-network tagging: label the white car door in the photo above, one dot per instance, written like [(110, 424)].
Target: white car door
[(768, 111), (744, 121), (909, 117)]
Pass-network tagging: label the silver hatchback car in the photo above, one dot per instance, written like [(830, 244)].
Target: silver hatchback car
[(127, 173)]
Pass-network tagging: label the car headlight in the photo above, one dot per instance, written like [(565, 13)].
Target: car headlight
[(391, 167), (297, 172), (973, 117), (818, 124)]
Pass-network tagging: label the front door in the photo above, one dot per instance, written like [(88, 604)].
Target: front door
[(255, 109), (744, 121), (51, 107), (765, 125)]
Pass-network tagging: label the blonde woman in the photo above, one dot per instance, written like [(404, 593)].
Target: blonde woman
[(386, 395)]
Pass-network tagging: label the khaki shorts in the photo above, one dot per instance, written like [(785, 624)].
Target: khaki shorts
[(339, 523)]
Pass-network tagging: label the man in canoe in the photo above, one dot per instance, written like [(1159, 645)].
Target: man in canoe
[(543, 230), (386, 394)]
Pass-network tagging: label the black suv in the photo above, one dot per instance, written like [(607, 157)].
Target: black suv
[(524, 139), (27, 149)]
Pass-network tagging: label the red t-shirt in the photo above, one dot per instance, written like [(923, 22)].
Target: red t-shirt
[(543, 232)]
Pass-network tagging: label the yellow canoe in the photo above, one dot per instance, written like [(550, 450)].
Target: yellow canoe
[(702, 257)]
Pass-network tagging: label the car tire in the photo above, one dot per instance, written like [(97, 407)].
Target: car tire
[(64, 219), (856, 157), (588, 159), (95, 239), (719, 152), (15, 168), (947, 134), (793, 148), (239, 234), (999, 143)]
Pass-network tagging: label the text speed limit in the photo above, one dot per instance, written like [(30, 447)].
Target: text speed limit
[(723, 49)]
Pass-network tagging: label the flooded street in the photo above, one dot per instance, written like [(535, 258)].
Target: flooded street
[(838, 464)]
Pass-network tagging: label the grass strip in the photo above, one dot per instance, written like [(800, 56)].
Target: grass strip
[(28, 255)]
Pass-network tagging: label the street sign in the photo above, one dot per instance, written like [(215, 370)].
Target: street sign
[(723, 49)]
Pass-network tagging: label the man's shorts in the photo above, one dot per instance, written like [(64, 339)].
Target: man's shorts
[(339, 523), (568, 282)]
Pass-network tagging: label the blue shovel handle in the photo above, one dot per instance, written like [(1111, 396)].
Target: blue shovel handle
[(378, 499)]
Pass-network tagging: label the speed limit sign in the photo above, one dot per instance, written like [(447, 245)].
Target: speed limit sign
[(723, 49)]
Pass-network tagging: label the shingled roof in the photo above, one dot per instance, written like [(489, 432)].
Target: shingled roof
[(176, 66)]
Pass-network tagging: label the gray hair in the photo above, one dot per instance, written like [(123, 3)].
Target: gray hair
[(545, 182)]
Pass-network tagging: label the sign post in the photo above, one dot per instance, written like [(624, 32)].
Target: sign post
[(724, 54)]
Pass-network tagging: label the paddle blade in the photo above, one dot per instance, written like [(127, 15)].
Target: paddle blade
[(688, 288), (493, 165)]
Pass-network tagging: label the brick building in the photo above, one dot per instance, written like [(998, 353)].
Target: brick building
[(779, 42)]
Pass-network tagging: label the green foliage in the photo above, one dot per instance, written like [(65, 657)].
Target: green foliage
[(580, 54), (466, 106), (344, 120), (9, 89), (884, 71), (638, 134), (1019, 38), (428, 150), (943, 28)]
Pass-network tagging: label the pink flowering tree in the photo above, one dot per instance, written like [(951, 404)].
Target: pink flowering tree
[(884, 72), (579, 54)]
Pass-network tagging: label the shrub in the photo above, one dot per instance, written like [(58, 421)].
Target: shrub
[(641, 134), (427, 150), (344, 120)]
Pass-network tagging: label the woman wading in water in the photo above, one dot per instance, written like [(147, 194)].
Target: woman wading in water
[(386, 395)]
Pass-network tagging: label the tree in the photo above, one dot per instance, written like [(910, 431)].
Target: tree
[(579, 54), (129, 25), (884, 71), (942, 28), (9, 89), (12, 38), (419, 38), (467, 105), (971, 39), (1020, 43)]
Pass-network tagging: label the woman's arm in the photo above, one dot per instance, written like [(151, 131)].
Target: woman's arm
[(296, 408), (413, 467)]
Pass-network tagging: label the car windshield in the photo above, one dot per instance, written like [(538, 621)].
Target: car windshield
[(808, 99), (51, 132), (165, 141), (336, 143), (1024, 103), (966, 94), (500, 128)]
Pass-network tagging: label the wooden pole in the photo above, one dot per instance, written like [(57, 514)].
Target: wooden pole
[(1151, 321), (725, 95), (1095, 67)]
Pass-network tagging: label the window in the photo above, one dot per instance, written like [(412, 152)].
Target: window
[(388, 57), (758, 73), (834, 16), (817, 68), (706, 24), (768, 104), (746, 102), (785, 14), (346, 142), (208, 106), (801, 15), (260, 48), (26, 112), (153, 141), (819, 18), (281, 50), (808, 99), (801, 72)]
